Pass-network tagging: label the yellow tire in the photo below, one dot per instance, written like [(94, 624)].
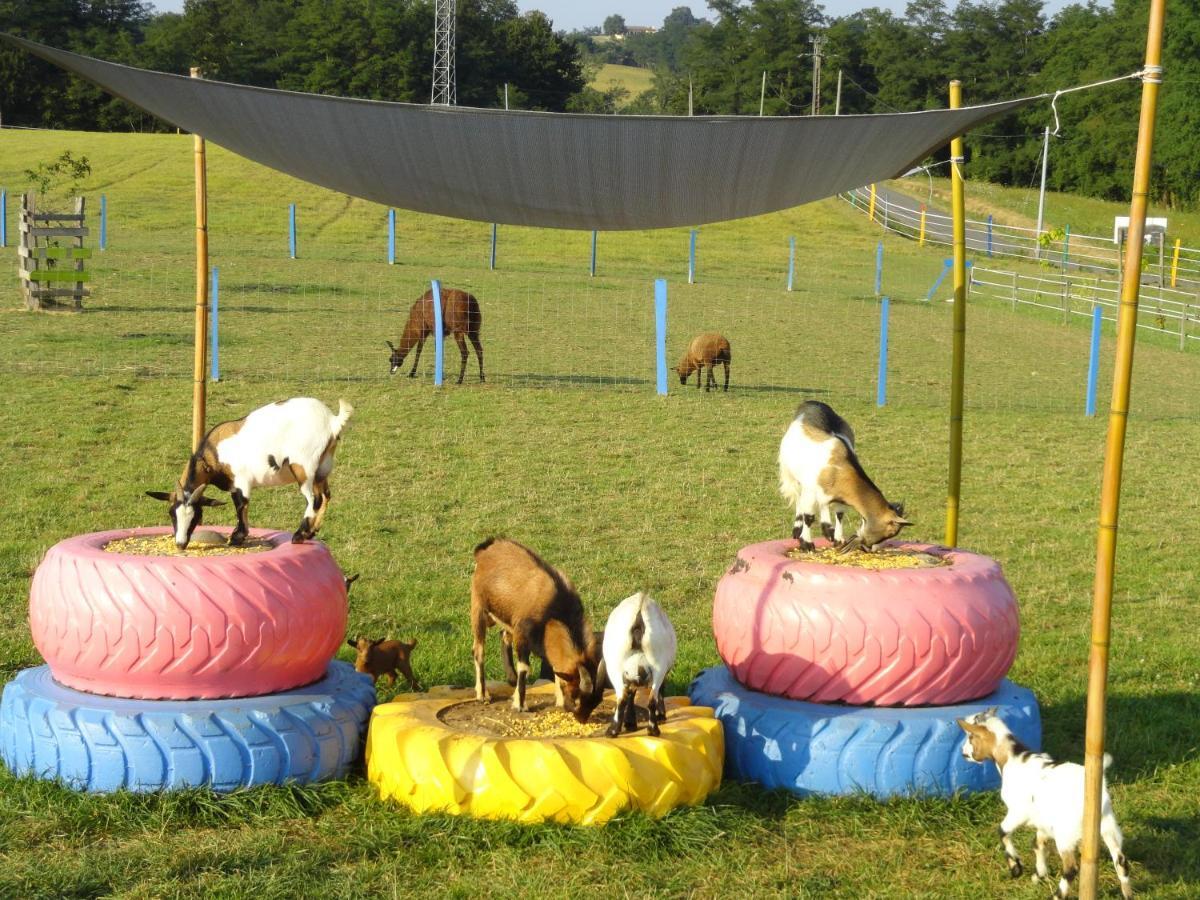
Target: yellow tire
[(418, 760)]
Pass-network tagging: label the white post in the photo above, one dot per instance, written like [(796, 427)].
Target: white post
[(762, 97), (837, 103), (1037, 250), (689, 95), (506, 95)]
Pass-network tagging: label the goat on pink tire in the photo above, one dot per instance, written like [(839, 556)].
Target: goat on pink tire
[(939, 635), (187, 627)]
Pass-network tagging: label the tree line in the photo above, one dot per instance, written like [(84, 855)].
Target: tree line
[(383, 49)]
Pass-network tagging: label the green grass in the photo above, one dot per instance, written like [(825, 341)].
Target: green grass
[(634, 79), (569, 449)]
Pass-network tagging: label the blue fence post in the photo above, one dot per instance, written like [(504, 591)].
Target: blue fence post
[(989, 250), (492, 256), (1093, 362), (1066, 248), (292, 230), (879, 269), (593, 253), (946, 264), (660, 333), (791, 260), (391, 237), (692, 258), (439, 343), (881, 385), (216, 343), (3, 218), (103, 222)]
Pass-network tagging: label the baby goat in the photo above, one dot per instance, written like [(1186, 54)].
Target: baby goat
[(1043, 794), (280, 443), (381, 657), (706, 349), (539, 608), (460, 316), (639, 651), (820, 473)]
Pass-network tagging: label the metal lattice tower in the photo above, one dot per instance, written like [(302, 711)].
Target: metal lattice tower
[(444, 90)]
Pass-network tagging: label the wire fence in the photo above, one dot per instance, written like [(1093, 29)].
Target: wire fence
[(1168, 262)]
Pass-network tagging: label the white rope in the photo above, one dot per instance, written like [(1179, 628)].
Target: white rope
[(1150, 73)]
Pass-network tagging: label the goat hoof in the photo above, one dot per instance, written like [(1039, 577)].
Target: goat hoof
[(652, 730), (300, 537), (806, 546), (237, 539), (613, 730), (1015, 869)]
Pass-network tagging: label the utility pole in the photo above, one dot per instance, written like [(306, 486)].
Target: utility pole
[(444, 89), (837, 103), (1037, 249), (816, 40)]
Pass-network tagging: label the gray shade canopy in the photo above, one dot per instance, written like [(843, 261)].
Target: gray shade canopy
[(552, 170)]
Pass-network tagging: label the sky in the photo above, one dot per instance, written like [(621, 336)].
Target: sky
[(571, 15)]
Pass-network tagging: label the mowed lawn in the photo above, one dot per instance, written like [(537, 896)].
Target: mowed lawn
[(569, 449)]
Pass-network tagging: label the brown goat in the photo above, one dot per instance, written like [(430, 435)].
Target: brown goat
[(382, 657), (460, 317), (538, 607), (706, 349)]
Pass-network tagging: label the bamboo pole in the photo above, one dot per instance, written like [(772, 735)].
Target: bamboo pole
[(958, 359), (1114, 453), (199, 371)]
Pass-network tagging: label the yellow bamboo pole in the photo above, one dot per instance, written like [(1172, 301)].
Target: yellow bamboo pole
[(921, 239), (958, 359), (199, 368), (871, 211), (1114, 455), (1175, 262)]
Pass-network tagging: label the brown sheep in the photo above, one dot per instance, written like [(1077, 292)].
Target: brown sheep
[(460, 317), (706, 349), (539, 608), (382, 657)]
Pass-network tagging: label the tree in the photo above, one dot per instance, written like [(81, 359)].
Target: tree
[(614, 24)]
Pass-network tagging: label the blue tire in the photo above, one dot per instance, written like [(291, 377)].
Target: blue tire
[(815, 748), (99, 744)]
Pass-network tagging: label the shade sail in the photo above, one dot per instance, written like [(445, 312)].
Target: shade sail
[(552, 170)]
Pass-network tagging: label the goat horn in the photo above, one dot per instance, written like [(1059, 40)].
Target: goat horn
[(855, 543)]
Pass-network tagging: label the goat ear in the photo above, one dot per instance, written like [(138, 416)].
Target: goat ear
[(585, 681), (208, 501), (964, 725), (902, 522), (350, 643), (159, 495), (855, 543), (389, 343)]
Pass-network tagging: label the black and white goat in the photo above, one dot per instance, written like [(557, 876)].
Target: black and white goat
[(290, 441), (820, 474), (1044, 795), (639, 651)]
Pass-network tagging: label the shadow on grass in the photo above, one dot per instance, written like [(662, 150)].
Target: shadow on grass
[(1143, 734)]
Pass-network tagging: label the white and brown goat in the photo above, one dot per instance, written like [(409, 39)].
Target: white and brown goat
[(290, 441), (539, 608), (639, 651), (820, 474), (460, 317), (706, 349), (1045, 795)]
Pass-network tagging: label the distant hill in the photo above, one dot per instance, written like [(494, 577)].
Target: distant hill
[(632, 78)]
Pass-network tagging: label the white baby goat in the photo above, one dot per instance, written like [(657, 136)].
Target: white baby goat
[(639, 651), (291, 441), (1043, 794)]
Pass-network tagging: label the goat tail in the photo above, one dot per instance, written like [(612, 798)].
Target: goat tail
[(1107, 761), (345, 410), (789, 487)]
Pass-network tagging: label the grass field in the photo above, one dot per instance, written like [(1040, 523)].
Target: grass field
[(569, 449), (634, 79)]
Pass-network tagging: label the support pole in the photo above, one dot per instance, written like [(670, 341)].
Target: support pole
[(594, 239), (762, 96), (439, 339), (292, 230), (1037, 247), (492, 255), (921, 238), (216, 340), (391, 237), (1066, 259), (660, 335), (881, 385), (692, 258), (199, 385), (958, 358), (1093, 375), (871, 208), (989, 235), (1174, 262), (791, 261), (1114, 457), (103, 222), (837, 103)]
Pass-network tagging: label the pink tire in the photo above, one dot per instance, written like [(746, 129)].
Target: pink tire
[(179, 628), (893, 637)]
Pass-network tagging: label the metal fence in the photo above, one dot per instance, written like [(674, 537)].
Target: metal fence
[(1171, 266)]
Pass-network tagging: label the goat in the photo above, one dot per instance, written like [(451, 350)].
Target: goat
[(706, 349), (639, 651), (349, 581), (383, 657), (820, 473), (280, 443), (1043, 794), (540, 609), (460, 316)]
